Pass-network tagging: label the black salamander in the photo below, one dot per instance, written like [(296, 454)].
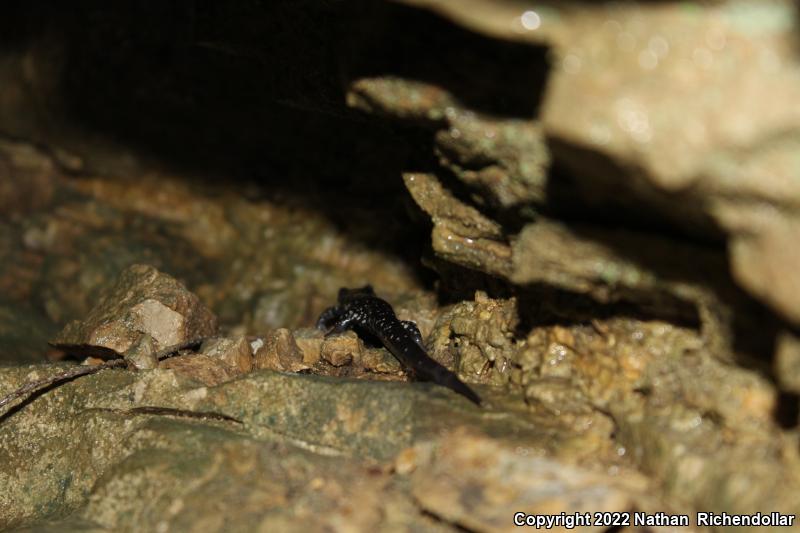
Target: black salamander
[(360, 310)]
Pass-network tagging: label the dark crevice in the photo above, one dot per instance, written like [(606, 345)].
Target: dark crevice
[(244, 92), (600, 191), (787, 410), (474, 68), (544, 305)]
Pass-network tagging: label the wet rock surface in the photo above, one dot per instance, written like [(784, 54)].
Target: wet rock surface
[(589, 210)]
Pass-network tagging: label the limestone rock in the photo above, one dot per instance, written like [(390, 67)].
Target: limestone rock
[(479, 483), (309, 340), (280, 351), (209, 370), (728, 155), (233, 352), (220, 359), (460, 232), (504, 159), (339, 350), (28, 178), (476, 338), (142, 302)]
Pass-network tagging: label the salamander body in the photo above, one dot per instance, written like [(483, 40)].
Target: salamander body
[(362, 311)]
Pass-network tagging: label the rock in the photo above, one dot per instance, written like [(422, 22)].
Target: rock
[(460, 232), (340, 350), (475, 338), (585, 340), (478, 483), (724, 161), (209, 370), (142, 355), (504, 159), (380, 361), (673, 428), (142, 302), (397, 97), (236, 353), (220, 359), (673, 279), (309, 340), (280, 352), (28, 178), (269, 448), (787, 361), (720, 153)]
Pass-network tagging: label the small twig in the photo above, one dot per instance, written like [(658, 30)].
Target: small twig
[(72, 373), (170, 350), (67, 375), (170, 411)]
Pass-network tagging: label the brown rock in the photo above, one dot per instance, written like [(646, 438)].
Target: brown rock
[(716, 159), (207, 369), (722, 149), (460, 232), (407, 99), (506, 159), (34, 175), (236, 353), (280, 352), (310, 342), (468, 479), (340, 350), (143, 354), (475, 336), (142, 302), (380, 361)]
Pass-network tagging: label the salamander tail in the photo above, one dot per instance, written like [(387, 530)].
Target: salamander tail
[(444, 377)]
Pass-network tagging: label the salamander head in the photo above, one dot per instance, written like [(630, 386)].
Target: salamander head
[(348, 295)]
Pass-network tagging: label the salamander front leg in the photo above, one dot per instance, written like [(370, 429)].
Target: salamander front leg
[(328, 316), (340, 325)]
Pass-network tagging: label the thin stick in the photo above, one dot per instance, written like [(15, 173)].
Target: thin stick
[(72, 373), (79, 371)]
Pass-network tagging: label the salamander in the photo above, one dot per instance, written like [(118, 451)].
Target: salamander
[(362, 311)]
